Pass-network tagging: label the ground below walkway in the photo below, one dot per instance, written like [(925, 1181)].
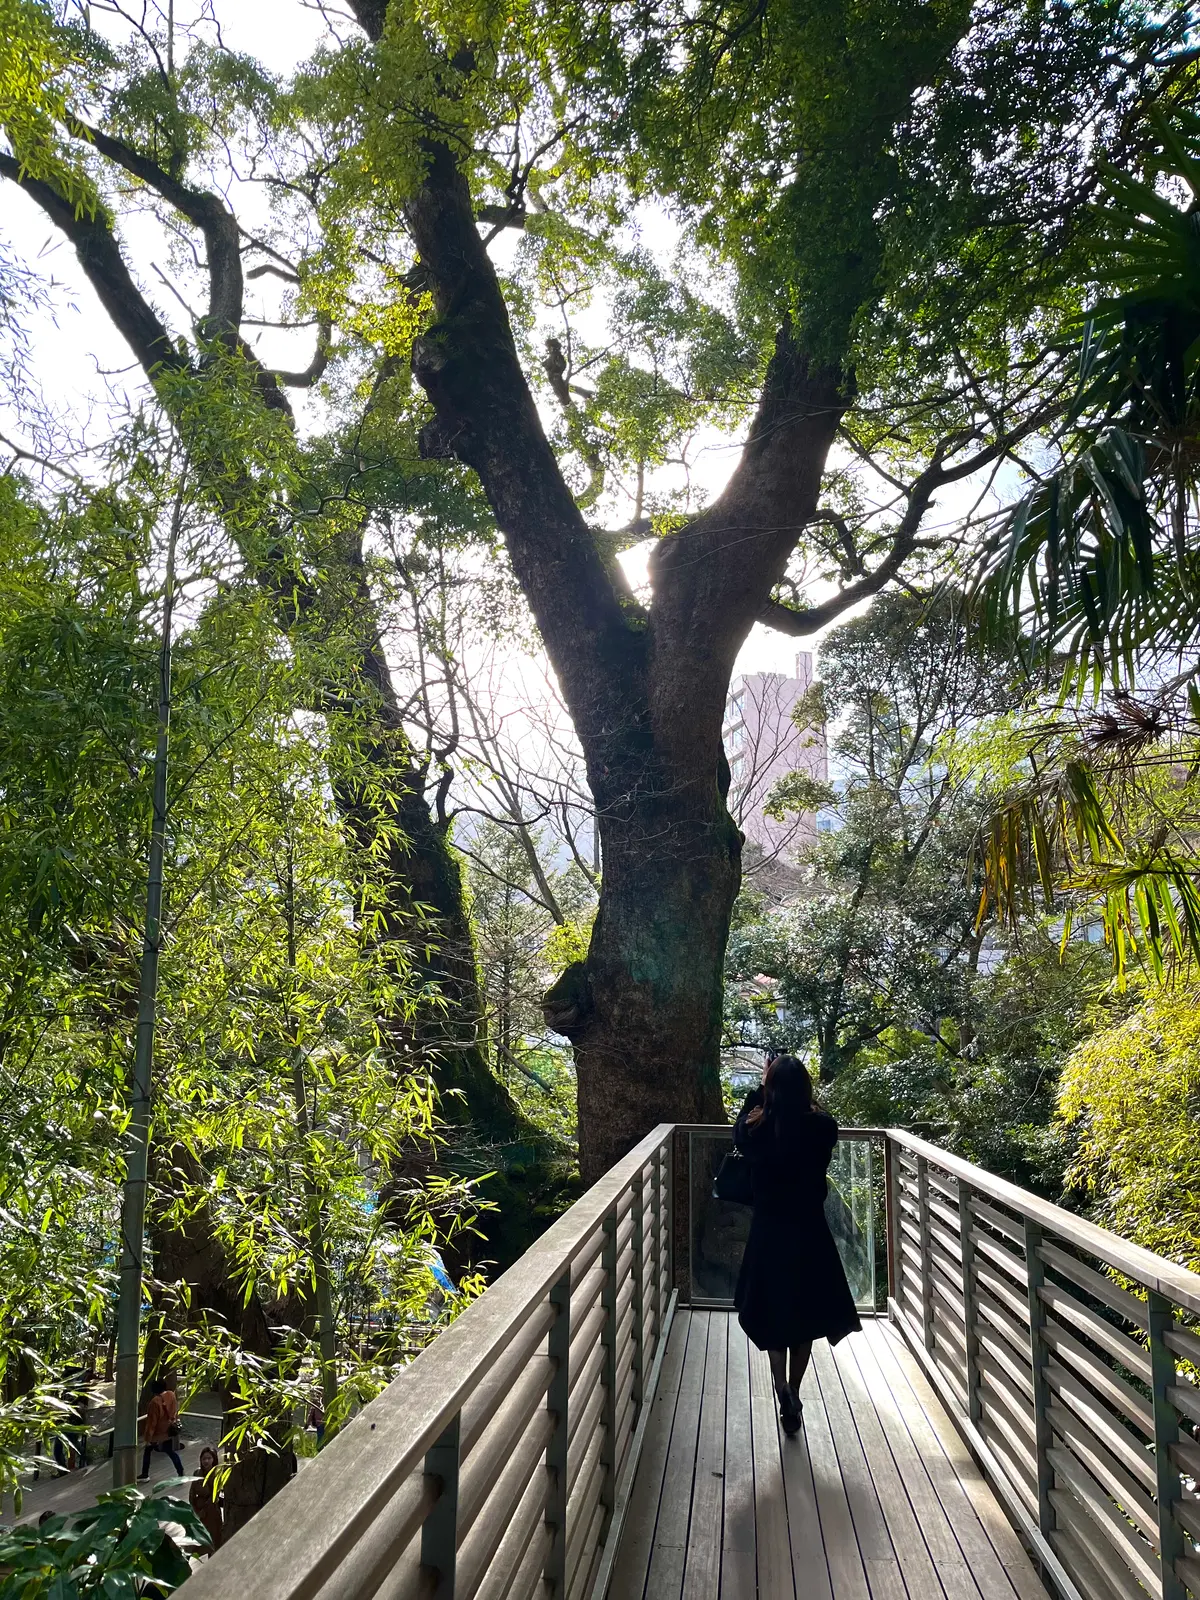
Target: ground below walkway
[(73, 1491)]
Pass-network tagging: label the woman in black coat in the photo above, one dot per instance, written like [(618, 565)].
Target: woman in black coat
[(792, 1288)]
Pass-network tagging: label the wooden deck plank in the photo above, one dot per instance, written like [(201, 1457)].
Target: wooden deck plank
[(876, 1499), (810, 1568), (846, 1572), (931, 1514), (945, 1513), (738, 1567), (637, 1540), (664, 1580), (870, 1529), (702, 1569), (770, 1501), (886, 1582), (903, 1370), (907, 1536)]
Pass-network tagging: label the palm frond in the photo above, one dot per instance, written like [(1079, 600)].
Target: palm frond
[(1099, 562), (1057, 843)]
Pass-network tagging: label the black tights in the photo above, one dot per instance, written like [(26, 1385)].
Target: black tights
[(789, 1365), (167, 1449)]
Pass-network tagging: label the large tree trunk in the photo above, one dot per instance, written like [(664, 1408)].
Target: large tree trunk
[(646, 690), (644, 1010)]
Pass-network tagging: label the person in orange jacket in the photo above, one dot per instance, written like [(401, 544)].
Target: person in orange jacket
[(160, 1428)]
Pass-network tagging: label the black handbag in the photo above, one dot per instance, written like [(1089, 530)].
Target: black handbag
[(732, 1182)]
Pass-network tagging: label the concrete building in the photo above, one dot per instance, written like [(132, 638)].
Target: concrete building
[(764, 744)]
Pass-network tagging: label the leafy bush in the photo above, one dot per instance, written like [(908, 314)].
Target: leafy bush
[(1133, 1090), (127, 1544)]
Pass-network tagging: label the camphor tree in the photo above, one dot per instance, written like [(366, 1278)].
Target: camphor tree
[(814, 157), (880, 214)]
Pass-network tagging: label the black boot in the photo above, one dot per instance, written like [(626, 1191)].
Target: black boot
[(791, 1412)]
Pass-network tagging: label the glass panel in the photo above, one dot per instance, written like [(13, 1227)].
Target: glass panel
[(719, 1230), (850, 1212)]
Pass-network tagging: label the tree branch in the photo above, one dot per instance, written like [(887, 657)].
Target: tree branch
[(210, 214), (485, 415), (315, 369), (105, 269)]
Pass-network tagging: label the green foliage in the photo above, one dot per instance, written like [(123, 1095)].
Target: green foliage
[(522, 948), (913, 1013), (1099, 560), (1130, 1091), (37, 60), (1099, 566), (988, 1087), (885, 935), (126, 1545), (1106, 832), (796, 793), (281, 979)]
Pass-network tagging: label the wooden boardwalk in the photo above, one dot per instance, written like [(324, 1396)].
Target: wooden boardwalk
[(876, 1499)]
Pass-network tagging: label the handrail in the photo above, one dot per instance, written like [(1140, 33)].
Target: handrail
[(369, 1516), (1154, 1271), (1065, 1382)]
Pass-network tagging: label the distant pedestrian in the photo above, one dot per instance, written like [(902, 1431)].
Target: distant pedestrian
[(316, 1420), (792, 1288), (206, 1498), (160, 1429)]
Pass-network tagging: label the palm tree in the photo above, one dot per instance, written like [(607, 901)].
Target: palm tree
[(1097, 570)]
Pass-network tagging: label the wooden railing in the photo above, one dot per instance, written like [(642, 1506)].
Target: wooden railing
[(1077, 1392), (496, 1465)]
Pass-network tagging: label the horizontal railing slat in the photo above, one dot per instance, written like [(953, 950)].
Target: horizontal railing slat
[(1173, 1282), (1135, 1499), (300, 1539), (1061, 1346)]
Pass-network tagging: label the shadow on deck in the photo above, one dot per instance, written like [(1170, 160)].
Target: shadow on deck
[(876, 1499)]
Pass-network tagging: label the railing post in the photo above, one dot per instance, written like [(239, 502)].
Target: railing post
[(1035, 1277), (656, 1221), (926, 1252), (1166, 1434), (891, 1218), (672, 1279), (439, 1532), (639, 1287), (966, 1238), (608, 1373), (559, 1347)]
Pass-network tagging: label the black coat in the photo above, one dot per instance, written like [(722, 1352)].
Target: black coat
[(792, 1287)]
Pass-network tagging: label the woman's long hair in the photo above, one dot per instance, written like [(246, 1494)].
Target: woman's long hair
[(787, 1094)]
